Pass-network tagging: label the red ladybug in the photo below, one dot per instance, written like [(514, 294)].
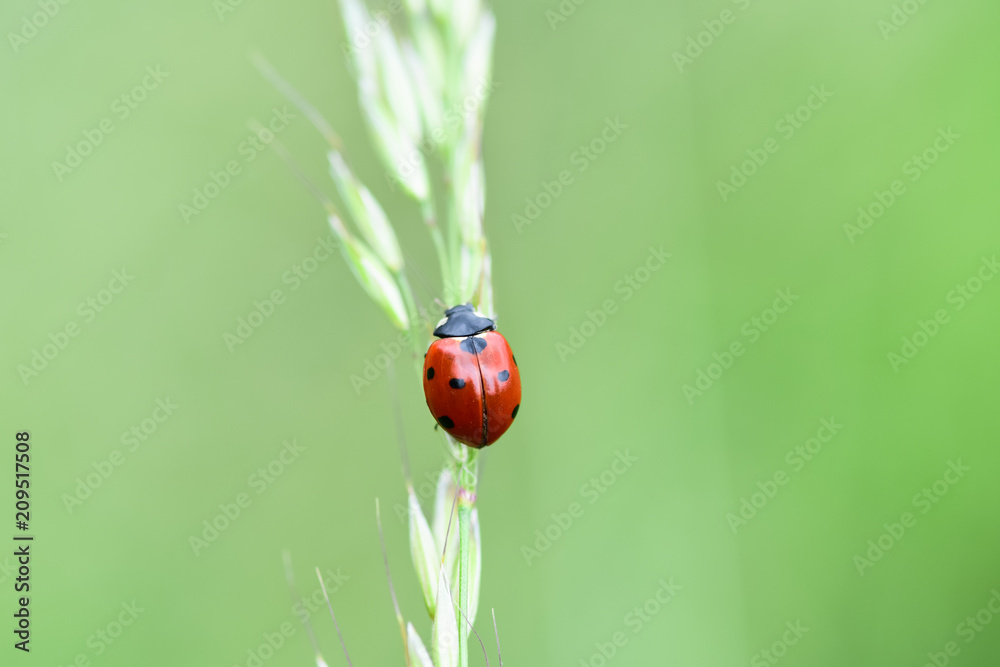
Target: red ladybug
[(471, 381)]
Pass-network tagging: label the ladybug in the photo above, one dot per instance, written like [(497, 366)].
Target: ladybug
[(471, 381)]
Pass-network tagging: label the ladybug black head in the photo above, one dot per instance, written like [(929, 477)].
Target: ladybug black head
[(463, 321)]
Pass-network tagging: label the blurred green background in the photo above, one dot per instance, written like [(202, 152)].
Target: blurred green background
[(674, 513)]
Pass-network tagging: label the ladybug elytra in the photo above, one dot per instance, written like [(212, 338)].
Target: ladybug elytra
[(471, 381)]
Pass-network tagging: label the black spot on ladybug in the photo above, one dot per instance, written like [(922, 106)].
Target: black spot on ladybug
[(516, 408), (430, 373), (503, 375), (473, 344), (457, 383), (446, 422), (511, 356)]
